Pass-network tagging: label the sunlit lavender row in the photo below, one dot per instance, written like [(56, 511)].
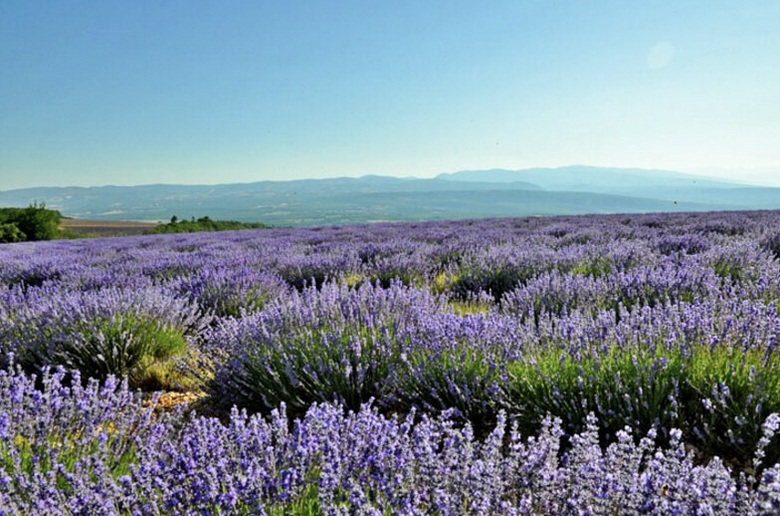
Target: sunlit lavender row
[(68, 449), (594, 365)]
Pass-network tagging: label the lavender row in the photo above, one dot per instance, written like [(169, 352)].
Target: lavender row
[(461, 259), (67, 449), (406, 347), (708, 368)]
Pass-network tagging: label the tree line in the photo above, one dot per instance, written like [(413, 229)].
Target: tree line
[(201, 224), (35, 222)]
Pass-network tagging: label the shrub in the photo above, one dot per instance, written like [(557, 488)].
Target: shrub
[(556, 294), (636, 388), (685, 244), (771, 244), (335, 344), (726, 395), (201, 224), (230, 291), (719, 397), (10, 232), (303, 271), (32, 223), (459, 379), (61, 440), (474, 280), (99, 333)]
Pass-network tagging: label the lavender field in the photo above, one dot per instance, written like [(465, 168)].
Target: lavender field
[(597, 365)]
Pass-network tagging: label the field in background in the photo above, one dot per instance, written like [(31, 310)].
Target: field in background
[(104, 228)]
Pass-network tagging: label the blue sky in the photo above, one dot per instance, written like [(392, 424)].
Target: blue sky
[(137, 92)]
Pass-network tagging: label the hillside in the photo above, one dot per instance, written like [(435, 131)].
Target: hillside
[(460, 195)]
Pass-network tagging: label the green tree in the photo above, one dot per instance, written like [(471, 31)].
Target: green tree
[(34, 222), (10, 232), (43, 224)]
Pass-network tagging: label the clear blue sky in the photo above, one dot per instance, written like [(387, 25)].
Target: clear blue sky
[(140, 91)]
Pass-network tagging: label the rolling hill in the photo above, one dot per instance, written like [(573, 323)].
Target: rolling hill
[(459, 195)]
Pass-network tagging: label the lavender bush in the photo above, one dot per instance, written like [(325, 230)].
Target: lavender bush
[(335, 343), (230, 290), (99, 333)]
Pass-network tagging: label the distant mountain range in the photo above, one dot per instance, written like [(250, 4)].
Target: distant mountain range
[(459, 195)]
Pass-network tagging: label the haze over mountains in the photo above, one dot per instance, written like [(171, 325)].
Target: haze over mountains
[(458, 195)]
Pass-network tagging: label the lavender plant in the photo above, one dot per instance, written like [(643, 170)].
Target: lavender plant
[(727, 395), (99, 333), (719, 398), (64, 445), (457, 378), (771, 244), (230, 291), (638, 388), (331, 344)]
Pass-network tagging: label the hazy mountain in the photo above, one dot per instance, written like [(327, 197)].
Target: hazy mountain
[(580, 178), (466, 194), (663, 185)]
